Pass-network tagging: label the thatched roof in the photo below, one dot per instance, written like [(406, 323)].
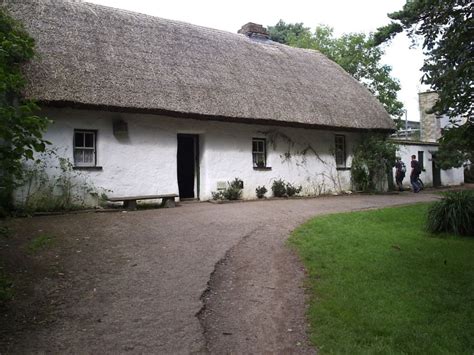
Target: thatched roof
[(101, 57)]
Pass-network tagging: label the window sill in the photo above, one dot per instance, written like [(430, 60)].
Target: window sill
[(90, 168), (264, 168), (342, 168)]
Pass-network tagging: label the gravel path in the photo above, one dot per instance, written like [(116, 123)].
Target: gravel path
[(195, 279)]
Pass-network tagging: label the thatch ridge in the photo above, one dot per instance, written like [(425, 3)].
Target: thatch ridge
[(94, 55)]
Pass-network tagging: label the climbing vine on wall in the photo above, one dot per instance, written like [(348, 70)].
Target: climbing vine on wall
[(300, 153)]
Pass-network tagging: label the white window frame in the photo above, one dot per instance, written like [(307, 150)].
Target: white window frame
[(340, 140), (258, 152), (83, 148)]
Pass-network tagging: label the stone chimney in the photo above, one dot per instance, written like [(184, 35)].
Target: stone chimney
[(253, 30), (429, 124)]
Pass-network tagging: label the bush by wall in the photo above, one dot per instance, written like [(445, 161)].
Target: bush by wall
[(233, 191), (281, 188), (261, 191), (453, 214)]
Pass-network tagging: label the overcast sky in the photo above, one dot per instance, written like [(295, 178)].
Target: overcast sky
[(343, 15)]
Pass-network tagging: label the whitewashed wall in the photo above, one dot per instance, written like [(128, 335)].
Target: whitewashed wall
[(448, 177), (145, 162)]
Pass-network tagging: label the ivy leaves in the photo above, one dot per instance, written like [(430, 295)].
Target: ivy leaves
[(20, 129)]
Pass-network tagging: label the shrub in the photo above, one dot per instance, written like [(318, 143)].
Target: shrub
[(261, 191), (292, 190), (217, 195), (453, 214), (232, 192), (372, 163), (281, 188)]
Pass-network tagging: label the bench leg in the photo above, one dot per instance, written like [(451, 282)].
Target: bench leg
[(130, 204), (168, 202)]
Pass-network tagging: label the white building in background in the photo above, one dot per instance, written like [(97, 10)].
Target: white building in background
[(425, 148)]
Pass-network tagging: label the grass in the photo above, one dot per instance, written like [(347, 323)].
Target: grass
[(379, 283), (40, 243)]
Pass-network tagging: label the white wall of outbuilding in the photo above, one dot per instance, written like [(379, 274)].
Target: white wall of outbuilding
[(450, 177)]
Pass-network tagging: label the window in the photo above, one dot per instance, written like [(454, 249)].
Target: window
[(340, 151), (420, 159), (259, 152), (84, 148)]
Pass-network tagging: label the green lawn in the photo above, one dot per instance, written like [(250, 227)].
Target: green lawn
[(379, 283)]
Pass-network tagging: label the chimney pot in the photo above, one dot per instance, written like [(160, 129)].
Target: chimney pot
[(254, 30)]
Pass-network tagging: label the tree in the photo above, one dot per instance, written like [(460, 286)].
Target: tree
[(354, 52), (456, 146), (446, 30), (374, 158), (20, 129)]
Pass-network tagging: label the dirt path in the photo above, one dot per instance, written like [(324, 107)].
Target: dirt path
[(133, 282)]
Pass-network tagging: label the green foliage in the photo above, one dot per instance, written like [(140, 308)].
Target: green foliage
[(453, 214), (372, 163), (51, 184), (286, 33), (446, 28), (20, 128), (281, 188), (261, 191), (379, 284), (354, 52), (233, 191), (40, 243), (456, 146), (292, 190)]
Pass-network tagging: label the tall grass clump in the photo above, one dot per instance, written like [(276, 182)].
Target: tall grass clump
[(453, 214)]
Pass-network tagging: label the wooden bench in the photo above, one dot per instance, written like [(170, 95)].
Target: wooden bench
[(130, 202)]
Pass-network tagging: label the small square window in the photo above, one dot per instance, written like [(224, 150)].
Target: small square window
[(259, 152), (85, 148), (340, 151)]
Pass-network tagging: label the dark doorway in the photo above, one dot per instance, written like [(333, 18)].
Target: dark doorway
[(436, 172), (188, 166)]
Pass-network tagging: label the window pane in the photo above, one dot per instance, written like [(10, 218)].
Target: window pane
[(78, 156), (89, 156), (259, 159), (89, 140), (254, 146), (78, 139), (340, 150)]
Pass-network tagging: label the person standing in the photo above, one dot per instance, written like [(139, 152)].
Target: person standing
[(400, 171), (415, 174)]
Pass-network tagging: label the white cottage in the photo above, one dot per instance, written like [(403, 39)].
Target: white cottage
[(145, 106)]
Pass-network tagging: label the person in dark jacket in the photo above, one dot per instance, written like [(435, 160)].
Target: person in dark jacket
[(415, 174), (400, 171)]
